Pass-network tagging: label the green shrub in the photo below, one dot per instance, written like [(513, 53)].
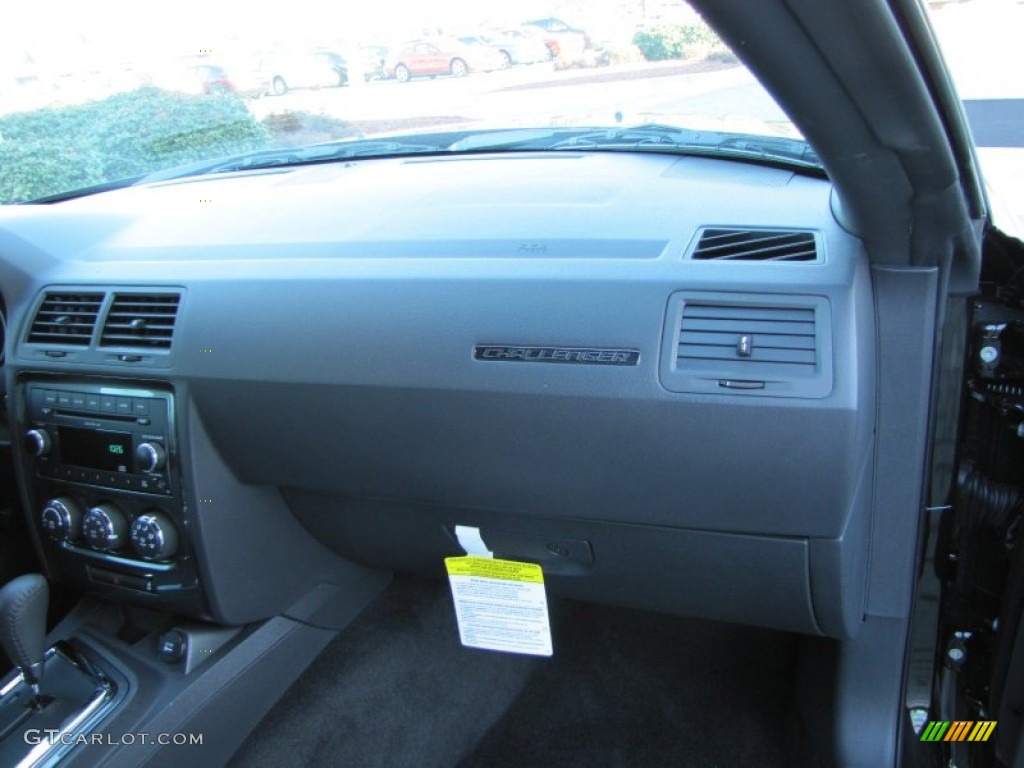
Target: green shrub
[(33, 169), (681, 41), (57, 149), (149, 130)]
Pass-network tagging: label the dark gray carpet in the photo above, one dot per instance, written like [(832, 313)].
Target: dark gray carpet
[(624, 688)]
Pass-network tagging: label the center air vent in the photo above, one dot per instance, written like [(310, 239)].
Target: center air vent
[(755, 245), (748, 344), (66, 318), (141, 321)]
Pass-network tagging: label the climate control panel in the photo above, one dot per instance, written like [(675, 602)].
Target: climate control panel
[(105, 527), (104, 481)]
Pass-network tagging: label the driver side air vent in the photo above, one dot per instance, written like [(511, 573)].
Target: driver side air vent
[(66, 318), (141, 320), (755, 245)]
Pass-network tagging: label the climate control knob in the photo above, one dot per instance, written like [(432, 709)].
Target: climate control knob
[(154, 536), (37, 442), (62, 519), (105, 527), (150, 457)]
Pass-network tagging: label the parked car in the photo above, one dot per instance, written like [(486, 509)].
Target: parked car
[(442, 57), (317, 68), (560, 38), (193, 76), (374, 58), (515, 46)]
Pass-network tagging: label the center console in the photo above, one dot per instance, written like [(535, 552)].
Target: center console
[(104, 484)]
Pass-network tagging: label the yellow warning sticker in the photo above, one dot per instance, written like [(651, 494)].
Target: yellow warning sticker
[(488, 568), (500, 605)]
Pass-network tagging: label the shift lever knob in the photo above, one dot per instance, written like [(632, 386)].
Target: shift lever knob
[(23, 604)]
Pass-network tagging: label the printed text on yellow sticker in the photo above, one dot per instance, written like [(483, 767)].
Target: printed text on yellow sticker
[(485, 567)]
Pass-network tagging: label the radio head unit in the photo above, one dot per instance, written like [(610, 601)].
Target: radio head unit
[(105, 436)]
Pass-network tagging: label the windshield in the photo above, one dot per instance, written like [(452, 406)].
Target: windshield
[(980, 40), (114, 92)]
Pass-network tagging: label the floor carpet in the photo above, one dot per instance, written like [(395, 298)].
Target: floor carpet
[(624, 688)]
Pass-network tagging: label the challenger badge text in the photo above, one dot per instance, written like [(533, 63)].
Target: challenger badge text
[(578, 355)]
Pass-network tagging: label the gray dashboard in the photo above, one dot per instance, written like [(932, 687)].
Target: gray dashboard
[(332, 405)]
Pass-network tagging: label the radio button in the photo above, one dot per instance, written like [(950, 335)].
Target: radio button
[(123, 405), (49, 398), (78, 400), (37, 442), (64, 399), (105, 527), (150, 457), (140, 406), (92, 403), (108, 404)]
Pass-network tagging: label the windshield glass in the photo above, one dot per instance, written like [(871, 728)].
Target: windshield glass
[(114, 91), (980, 40)]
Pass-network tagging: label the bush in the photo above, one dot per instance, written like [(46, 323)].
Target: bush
[(683, 41), (586, 60), (33, 169), (124, 135), (625, 54), (296, 129)]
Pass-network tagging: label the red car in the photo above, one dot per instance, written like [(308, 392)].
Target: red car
[(447, 57)]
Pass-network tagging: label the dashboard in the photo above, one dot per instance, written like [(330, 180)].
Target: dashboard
[(652, 374)]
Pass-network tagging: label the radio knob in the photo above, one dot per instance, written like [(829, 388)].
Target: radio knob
[(150, 457), (105, 527), (62, 519), (154, 536), (37, 442)]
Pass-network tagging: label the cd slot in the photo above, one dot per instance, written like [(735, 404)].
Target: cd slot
[(93, 415)]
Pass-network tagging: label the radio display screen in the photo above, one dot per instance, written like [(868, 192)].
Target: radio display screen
[(96, 449)]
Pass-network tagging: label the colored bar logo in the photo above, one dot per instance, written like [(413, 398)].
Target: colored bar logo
[(959, 730)]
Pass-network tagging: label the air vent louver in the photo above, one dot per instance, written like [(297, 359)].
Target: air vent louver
[(755, 245), (754, 342), (140, 320), (66, 318)]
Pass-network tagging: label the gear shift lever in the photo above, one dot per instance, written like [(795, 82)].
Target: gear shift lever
[(23, 604)]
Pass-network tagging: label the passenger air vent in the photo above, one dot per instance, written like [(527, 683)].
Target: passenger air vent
[(755, 245), (141, 320), (66, 318), (748, 344), (757, 341)]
